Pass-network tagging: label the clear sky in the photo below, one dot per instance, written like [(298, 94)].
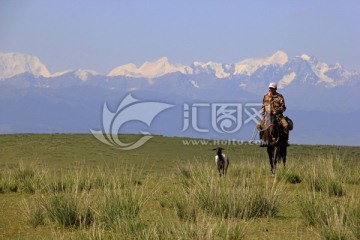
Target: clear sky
[(101, 35)]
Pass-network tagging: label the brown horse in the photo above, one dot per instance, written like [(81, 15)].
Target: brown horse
[(275, 141)]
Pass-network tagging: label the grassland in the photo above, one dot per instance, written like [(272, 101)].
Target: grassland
[(71, 186)]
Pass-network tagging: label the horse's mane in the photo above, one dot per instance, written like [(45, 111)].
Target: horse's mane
[(272, 130)]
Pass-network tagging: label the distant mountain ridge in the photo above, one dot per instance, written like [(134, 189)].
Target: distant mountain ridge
[(278, 68), (321, 98)]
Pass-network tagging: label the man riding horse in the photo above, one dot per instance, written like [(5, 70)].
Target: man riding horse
[(274, 103)]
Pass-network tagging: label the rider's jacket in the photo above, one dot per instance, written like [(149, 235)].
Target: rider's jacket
[(273, 102)]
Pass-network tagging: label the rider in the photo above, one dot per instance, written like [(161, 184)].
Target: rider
[(274, 102)]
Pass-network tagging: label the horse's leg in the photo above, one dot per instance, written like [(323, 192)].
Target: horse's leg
[(270, 154), (275, 158), (283, 153)]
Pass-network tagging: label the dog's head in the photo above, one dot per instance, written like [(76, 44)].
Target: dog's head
[(218, 150)]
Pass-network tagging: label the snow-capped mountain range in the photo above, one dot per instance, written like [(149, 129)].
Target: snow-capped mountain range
[(321, 98), (303, 68)]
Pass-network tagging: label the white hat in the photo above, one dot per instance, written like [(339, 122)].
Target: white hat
[(273, 85)]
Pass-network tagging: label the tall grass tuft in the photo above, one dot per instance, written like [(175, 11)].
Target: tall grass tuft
[(326, 175), (119, 206), (34, 213), (19, 179), (335, 218), (230, 197), (289, 175), (57, 186), (69, 210), (204, 229), (185, 208), (354, 220)]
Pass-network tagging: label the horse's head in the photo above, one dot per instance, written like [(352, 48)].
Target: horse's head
[(274, 126), (271, 132)]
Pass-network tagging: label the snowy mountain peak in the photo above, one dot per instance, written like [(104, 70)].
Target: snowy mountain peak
[(150, 69), (218, 69), (12, 64), (127, 70), (279, 58), (249, 66), (308, 58), (83, 74), (305, 57)]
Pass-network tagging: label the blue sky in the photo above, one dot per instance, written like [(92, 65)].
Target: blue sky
[(101, 35)]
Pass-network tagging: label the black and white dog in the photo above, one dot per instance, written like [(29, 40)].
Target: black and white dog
[(222, 161)]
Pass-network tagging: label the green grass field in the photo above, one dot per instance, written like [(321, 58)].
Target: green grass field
[(71, 186)]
